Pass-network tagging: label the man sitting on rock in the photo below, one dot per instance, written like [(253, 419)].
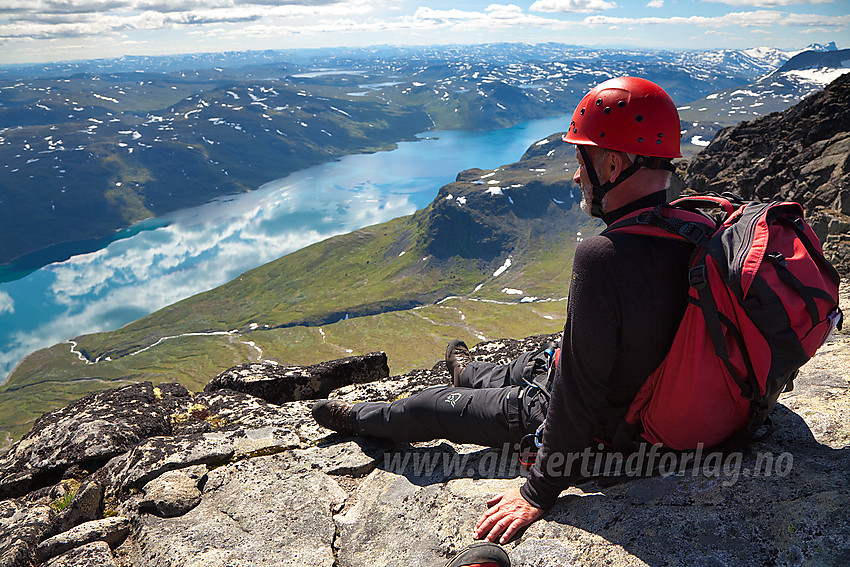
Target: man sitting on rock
[(626, 299)]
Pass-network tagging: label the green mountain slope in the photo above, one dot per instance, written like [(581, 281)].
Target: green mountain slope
[(489, 257)]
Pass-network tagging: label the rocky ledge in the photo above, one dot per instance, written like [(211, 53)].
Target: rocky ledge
[(157, 476)]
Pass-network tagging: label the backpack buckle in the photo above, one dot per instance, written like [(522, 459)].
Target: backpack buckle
[(644, 218), (693, 233), (698, 277)]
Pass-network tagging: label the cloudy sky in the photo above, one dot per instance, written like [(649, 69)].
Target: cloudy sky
[(55, 30)]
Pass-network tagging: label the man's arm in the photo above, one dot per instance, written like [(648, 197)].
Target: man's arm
[(590, 349), (588, 352)]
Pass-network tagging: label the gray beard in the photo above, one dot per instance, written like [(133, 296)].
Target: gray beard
[(586, 200)]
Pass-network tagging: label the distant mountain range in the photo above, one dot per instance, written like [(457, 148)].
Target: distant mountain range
[(492, 53), (800, 76), (89, 148)]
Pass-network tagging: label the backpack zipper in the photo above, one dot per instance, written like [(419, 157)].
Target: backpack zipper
[(749, 235)]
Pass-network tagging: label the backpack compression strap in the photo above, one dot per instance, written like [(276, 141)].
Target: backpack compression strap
[(666, 221)]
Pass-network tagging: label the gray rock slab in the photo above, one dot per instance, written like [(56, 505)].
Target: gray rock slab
[(250, 442), (266, 511), (171, 494), (343, 458), (277, 384), (110, 530), (226, 410), (157, 455), (95, 554), (90, 431), (22, 525), (395, 521)]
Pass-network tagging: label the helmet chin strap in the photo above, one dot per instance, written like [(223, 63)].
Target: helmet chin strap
[(601, 189)]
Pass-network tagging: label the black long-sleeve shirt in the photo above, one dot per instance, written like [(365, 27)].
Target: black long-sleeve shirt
[(627, 297)]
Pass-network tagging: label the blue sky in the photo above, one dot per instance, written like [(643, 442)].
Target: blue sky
[(55, 30)]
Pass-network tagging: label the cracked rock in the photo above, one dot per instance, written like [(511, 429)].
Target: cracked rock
[(94, 554), (92, 430), (85, 506), (110, 530), (161, 454), (22, 525)]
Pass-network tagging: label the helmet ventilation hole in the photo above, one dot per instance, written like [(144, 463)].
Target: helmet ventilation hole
[(607, 110), (640, 140), (598, 102), (621, 104), (639, 117)]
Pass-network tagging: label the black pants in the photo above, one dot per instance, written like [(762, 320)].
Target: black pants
[(494, 406)]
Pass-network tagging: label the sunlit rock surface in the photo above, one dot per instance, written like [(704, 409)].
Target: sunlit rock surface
[(226, 478)]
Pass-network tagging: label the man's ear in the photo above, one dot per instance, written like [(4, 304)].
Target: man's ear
[(616, 165)]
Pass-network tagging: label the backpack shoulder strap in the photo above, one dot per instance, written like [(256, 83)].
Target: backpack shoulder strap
[(669, 221), (694, 202)]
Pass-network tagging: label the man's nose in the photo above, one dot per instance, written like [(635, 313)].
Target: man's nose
[(577, 176)]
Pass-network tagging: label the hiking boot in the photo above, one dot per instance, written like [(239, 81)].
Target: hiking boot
[(334, 414), (457, 357), (483, 554)]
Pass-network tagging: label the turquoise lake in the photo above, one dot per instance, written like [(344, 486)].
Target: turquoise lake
[(193, 250)]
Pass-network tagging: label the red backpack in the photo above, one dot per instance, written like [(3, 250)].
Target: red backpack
[(762, 300)]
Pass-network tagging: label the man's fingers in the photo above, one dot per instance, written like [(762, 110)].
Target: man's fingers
[(482, 526), (485, 524), (509, 512), (495, 499), (512, 529), (499, 528)]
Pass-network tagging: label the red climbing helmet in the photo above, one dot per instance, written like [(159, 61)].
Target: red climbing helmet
[(627, 114)]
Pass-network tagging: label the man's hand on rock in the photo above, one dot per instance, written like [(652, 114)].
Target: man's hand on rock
[(509, 512)]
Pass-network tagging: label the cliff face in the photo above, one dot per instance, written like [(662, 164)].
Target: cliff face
[(148, 476), (801, 154)]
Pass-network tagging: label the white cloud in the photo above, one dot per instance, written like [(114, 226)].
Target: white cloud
[(282, 22), (7, 304), (81, 18), (425, 13), (759, 18), (163, 6), (768, 3), (571, 6)]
